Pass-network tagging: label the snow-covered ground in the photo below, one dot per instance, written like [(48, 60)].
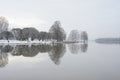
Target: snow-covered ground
[(34, 42), (23, 42)]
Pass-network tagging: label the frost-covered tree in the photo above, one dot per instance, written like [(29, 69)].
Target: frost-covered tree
[(3, 24), (43, 36), (30, 33), (49, 36), (57, 32), (84, 36), (17, 33), (6, 35), (74, 36)]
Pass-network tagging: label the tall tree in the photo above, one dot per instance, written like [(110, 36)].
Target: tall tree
[(3, 24), (57, 32)]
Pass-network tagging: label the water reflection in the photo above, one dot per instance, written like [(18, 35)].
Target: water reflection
[(3, 59), (25, 50), (55, 51), (6, 49), (84, 47), (77, 48), (4, 56)]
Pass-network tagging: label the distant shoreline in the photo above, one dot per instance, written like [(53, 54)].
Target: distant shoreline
[(108, 40)]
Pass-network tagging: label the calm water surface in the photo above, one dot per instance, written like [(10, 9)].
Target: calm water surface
[(90, 61)]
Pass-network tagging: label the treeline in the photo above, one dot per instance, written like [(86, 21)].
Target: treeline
[(56, 33)]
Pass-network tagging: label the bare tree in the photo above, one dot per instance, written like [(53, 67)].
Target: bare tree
[(3, 24), (84, 36), (74, 36), (57, 32)]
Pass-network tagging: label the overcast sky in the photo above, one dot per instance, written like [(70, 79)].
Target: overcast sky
[(100, 18)]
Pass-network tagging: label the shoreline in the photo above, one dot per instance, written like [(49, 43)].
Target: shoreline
[(35, 42)]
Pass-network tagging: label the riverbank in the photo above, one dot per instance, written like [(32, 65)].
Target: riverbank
[(10, 42)]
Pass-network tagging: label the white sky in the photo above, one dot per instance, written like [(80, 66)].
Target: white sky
[(100, 18)]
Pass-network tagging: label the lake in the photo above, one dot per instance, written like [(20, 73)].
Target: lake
[(90, 61)]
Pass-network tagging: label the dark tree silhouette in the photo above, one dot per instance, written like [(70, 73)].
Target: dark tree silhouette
[(17, 33), (6, 35), (43, 36), (30, 33)]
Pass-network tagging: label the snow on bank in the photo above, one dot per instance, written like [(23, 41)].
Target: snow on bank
[(16, 42), (35, 42)]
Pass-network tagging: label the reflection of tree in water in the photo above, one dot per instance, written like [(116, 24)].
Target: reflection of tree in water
[(26, 51), (7, 49), (84, 47), (30, 51), (3, 56), (57, 52), (3, 59), (76, 47), (44, 48)]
